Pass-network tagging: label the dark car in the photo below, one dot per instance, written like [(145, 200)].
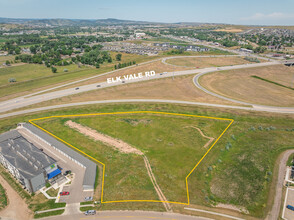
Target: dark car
[(88, 198), (98, 86), (64, 193), (77, 88), (67, 172), (290, 207)]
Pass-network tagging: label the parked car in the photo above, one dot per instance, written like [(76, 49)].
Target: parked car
[(64, 193), (67, 172), (98, 86), (290, 207), (88, 198), (90, 212), (77, 88)]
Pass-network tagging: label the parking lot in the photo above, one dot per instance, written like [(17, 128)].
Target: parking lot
[(75, 189), (289, 200)]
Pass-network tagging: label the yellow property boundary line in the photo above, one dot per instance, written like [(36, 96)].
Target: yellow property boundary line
[(136, 112)]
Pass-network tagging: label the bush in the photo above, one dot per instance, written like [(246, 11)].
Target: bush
[(54, 70), (12, 80)]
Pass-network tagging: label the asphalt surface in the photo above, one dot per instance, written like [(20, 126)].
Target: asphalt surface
[(35, 98), (125, 215)]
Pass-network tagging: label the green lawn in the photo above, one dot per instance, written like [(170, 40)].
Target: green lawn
[(31, 72), (47, 214), (172, 146), (4, 58), (3, 198), (238, 171), (52, 192)]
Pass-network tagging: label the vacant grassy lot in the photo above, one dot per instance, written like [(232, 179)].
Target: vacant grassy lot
[(240, 84), (3, 198), (4, 58), (202, 62), (171, 144), (240, 169), (28, 72)]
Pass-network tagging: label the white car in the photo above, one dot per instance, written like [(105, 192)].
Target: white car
[(90, 212)]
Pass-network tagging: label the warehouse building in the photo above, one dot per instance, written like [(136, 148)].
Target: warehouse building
[(27, 163)]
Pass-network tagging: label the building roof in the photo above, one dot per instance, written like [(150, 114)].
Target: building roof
[(29, 160), (90, 173)]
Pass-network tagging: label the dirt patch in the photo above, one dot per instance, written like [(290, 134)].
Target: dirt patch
[(97, 136), (135, 122), (232, 207), (203, 135), (17, 209)]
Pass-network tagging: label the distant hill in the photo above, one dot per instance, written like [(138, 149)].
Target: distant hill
[(71, 22)]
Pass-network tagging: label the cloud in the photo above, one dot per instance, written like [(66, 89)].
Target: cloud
[(272, 16)]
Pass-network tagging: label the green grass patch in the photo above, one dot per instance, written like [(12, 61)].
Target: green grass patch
[(171, 144), (238, 171), (269, 81), (86, 203), (40, 203), (52, 192), (3, 198), (47, 214), (86, 208), (290, 161)]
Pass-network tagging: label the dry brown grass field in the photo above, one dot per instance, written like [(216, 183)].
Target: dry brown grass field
[(233, 30), (240, 84), (202, 62), (156, 66), (181, 88)]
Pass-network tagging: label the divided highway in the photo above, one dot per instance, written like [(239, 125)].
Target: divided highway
[(35, 98)]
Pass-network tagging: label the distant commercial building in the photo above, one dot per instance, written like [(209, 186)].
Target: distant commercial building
[(140, 35), (246, 50), (25, 161), (179, 47)]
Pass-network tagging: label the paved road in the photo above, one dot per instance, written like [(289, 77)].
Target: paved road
[(274, 110), (29, 100), (275, 211), (125, 215)]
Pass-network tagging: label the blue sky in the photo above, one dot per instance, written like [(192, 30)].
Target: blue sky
[(255, 12)]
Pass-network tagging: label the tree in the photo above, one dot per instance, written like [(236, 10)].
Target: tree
[(54, 70), (97, 65), (118, 57), (7, 62)]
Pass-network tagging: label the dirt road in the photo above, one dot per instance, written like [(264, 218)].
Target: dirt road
[(17, 209)]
